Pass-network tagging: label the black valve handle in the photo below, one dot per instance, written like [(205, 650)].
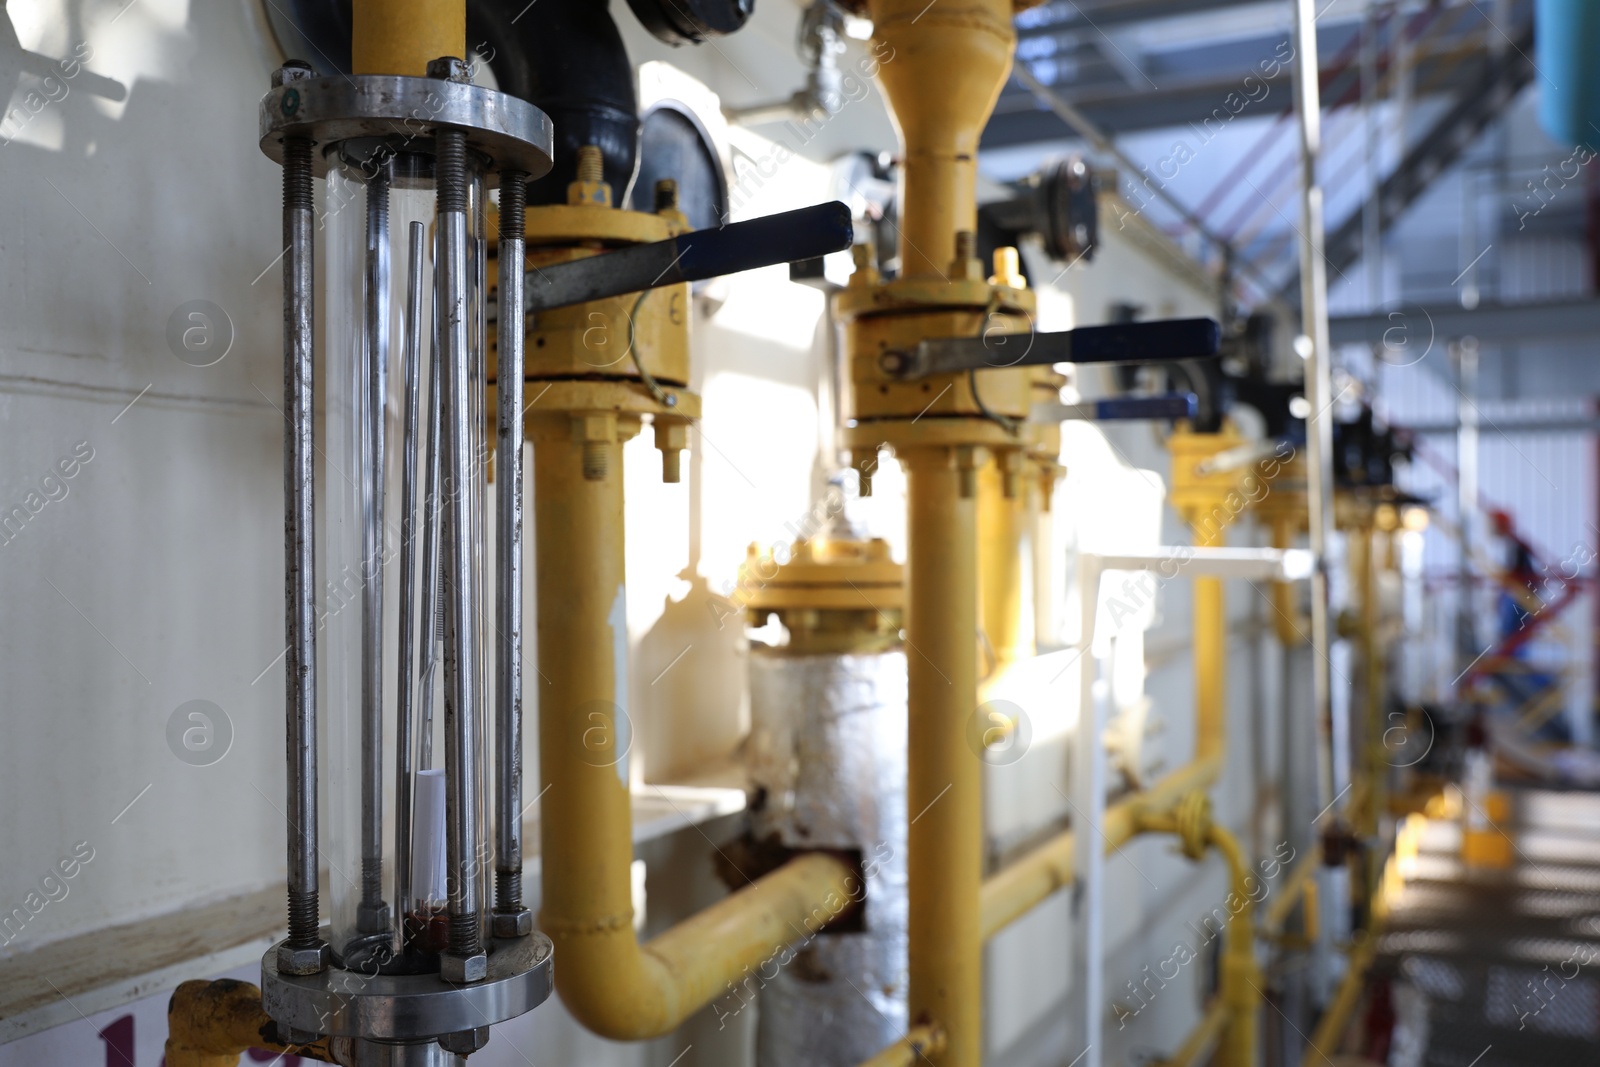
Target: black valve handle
[(786, 237)]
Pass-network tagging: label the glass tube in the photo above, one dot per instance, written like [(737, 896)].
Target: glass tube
[(364, 447)]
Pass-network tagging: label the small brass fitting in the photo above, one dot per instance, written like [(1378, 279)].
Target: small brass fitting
[(672, 437), (591, 187), (865, 258), (1008, 269)]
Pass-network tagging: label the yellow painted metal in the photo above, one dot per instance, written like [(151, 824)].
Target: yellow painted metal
[(944, 786), (1241, 980), (1330, 1028), (1302, 876), (921, 1042), (1202, 1040), (211, 1024), (946, 68), (609, 982), (1021, 885), (402, 36), (1292, 625), (831, 595), (1004, 550)]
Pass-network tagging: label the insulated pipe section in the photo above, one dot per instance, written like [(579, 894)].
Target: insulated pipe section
[(303, 952), (1166, 341), (787, 237), (613, 985), (511, 919), (944, 788)]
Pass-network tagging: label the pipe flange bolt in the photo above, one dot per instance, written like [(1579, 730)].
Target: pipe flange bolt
[(459, 969), (513, 923), (465, 1042), (313, 960)]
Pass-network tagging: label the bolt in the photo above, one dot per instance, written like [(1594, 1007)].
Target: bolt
[(591, 164), (894, 363), (967, 472), (596, 460), (666, 195), (449, 68), (293, 70), (672, 436)]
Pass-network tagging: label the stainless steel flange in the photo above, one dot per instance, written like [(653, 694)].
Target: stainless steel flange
[(410, 1007), (405, 113)]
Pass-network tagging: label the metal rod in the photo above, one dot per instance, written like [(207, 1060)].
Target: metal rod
[(1317, 352), (431, 599), (405, 693), (300, 576), (370, 917), (461, 637), (510, 337)]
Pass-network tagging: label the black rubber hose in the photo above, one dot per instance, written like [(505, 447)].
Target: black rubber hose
[(567, 58)]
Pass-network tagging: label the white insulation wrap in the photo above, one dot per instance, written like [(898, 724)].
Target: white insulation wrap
[(828, 748)]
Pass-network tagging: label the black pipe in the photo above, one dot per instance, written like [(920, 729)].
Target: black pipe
[(567, 58)]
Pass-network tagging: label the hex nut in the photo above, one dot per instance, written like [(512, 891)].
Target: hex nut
[(292, 71), (459, 970), (449, 68), (312, 960), (465, 1042), (513, 924)]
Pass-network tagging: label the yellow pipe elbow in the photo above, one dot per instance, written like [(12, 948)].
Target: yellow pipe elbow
[(211, 1024), (630, 992)]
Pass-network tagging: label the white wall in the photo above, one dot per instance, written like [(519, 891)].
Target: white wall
[(156, 579)]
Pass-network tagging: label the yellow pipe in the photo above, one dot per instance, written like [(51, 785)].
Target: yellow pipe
[(1003, 527), (919, 1043), (401, 36), (1240, 987), (211, 1024), (944, 786), (1330, 1028), (1301, 876), (1210, 656), (610, 983), (1023, 884), (1203, 1038), (942, 73)]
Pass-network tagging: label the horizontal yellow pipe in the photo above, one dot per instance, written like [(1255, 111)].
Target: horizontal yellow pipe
[(920, 1041), (1019, 887), (1203, 1038)]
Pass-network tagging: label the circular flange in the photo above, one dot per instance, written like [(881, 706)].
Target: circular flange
[(410, 1007), (511, 132)]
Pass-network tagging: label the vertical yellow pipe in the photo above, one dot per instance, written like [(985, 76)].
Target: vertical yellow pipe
[(1241, 978), (1003, 528), (401, 36), (942, 66), (1210, 657), (583, 741), (944, 783)]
